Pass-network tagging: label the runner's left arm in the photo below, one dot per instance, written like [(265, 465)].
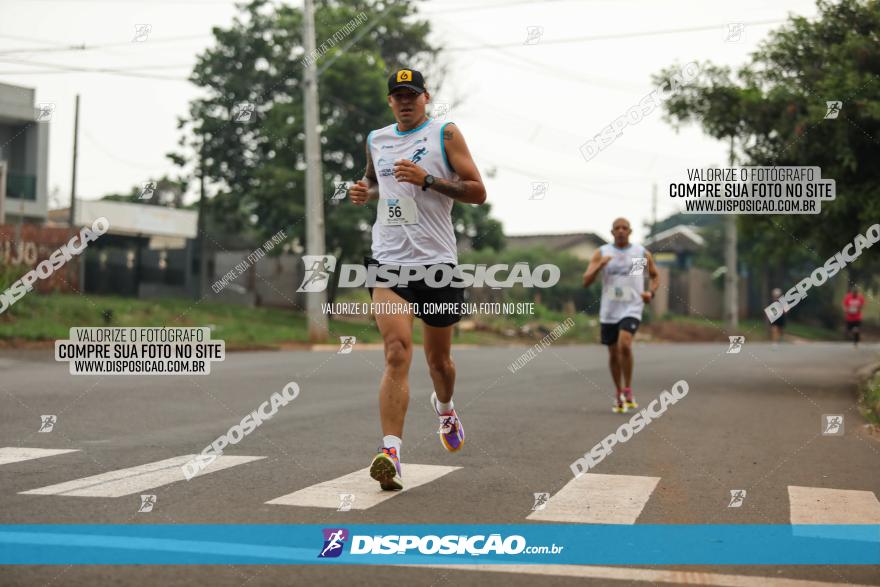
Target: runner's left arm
[(468, 189)]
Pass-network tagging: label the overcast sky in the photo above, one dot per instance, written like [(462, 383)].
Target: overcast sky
[(527, 107)]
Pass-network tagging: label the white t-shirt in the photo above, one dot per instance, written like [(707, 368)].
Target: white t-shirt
[(412, 227), (623, 281)]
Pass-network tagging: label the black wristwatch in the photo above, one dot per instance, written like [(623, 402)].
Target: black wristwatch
[(429, 181)]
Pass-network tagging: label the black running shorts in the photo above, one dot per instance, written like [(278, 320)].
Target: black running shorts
[(611, 332), (426, 299)]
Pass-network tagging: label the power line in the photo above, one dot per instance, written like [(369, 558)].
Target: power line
[(611, 36), (83, 47), (128, 72), (97, 69), (551, 71), (31, 40), (474, 7), (108, 153)]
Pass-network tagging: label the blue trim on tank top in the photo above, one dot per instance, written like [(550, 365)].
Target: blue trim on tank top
[(443, 147), (401, 133)]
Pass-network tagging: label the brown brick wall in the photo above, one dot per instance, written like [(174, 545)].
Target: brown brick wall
[(37, 243)]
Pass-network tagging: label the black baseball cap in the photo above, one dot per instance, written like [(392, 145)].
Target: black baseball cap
[(407, 78)]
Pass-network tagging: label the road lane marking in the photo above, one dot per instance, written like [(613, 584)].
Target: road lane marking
[(136, 479), (599, 499), (365, 490), (818, 505), (16, 454), (636, 574)]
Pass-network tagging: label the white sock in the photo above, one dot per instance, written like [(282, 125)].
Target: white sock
[(444, 408), (391, 441)]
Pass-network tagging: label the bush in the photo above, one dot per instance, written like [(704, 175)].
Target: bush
[(569, 289), (9, 274)]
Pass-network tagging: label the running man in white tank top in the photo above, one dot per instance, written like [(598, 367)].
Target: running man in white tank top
[(417, 168), (623, 266)]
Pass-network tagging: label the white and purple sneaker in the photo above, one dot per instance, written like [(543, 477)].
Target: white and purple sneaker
[(451, 432)]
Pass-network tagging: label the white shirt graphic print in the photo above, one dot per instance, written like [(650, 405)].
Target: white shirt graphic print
[(412, 227)]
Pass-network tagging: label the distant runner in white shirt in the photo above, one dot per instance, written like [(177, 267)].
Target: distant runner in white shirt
[(623, 266)]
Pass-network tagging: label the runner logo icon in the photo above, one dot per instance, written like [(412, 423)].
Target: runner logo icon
[(318, 270), (346, 345), (833, 109), (736, 344), (47, 423), (147, 503), (737, 496), (346, 500), (334, 542), (832, 425), (417, 156), (541, 500), (638, 265), (341, 191)]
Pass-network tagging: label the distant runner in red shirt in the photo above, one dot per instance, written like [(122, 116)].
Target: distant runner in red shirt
[(853, 302)]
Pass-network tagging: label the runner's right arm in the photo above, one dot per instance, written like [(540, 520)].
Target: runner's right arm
[(597, 263), (367, 188)]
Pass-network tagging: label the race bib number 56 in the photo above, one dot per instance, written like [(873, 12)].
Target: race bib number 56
[(398, 211)]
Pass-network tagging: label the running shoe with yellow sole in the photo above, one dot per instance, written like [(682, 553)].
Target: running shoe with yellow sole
[(451, 432), (620, 406), (628, 398), (385, 469)]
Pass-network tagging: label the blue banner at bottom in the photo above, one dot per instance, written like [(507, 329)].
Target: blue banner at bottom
[(220, 544)]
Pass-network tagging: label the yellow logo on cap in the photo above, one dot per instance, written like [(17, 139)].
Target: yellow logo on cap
[(404, 75)]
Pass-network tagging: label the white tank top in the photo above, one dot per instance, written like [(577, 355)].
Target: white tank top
[(623, 281), (418, 224)]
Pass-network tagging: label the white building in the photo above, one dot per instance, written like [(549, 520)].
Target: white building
[(24, 147)]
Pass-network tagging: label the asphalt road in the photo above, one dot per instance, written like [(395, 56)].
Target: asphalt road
[(750, 421)]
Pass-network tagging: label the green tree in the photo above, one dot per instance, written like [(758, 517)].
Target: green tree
[(474, 223), (569, 289), (774, 108)]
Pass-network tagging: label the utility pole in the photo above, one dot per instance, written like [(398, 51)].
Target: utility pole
[(314, 198), (731, 279), (73, 175), (201, 223)]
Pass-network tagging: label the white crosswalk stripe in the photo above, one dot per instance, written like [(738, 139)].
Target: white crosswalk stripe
[(17, 454), (819, 505), (365, 491), (599, 499), (136, 479), (591, 499)]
